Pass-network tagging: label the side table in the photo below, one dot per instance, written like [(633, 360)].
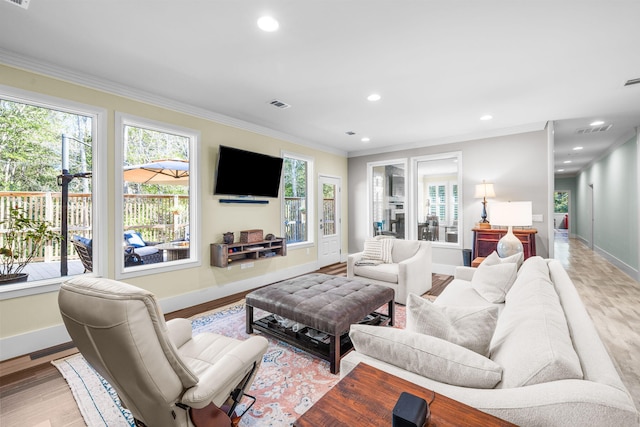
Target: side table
[(477, 261), (366, 396)]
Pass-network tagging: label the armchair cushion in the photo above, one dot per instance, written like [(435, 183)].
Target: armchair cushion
[(382, 272), (134, 239), (377, 250), (425, 355)]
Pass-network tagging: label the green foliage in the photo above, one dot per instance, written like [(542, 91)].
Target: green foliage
[(30, 147), (295, 177), (23, 239), (146, 145), (561, 202)]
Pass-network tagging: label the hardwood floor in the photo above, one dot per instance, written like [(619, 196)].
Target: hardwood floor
[(41, 398)]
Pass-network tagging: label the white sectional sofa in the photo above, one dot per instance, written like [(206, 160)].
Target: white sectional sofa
[(544, 363)]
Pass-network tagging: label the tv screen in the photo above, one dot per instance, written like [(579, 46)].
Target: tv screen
[(245, 173)]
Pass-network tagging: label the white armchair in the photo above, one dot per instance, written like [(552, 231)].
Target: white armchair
[(162, 374), (408, 272)]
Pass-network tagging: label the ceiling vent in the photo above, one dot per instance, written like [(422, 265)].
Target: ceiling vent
[(279, 104), (594, 129), (22, 3), (350, 133), (632, 82)]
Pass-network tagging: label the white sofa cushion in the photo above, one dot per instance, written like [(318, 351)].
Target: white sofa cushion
[(425, 355), (471, 327), (493, 282), (378, 250), (494, 259), (532, 340)]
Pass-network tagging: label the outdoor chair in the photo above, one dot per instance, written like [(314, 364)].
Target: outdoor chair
[(165, 376), (83, 248), (138, 251)]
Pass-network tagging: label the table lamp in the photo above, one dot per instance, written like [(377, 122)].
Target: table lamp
[(511, 214), (483, 191)]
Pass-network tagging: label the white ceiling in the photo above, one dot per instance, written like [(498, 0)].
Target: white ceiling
[(438, 65)]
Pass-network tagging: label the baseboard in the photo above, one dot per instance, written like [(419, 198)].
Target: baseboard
[(34, 341), (624, 267)]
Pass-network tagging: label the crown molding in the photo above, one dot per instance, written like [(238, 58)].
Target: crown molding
[(15, 60), (531, 127)]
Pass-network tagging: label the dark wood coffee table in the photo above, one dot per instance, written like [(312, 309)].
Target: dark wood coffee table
[(366, 397)]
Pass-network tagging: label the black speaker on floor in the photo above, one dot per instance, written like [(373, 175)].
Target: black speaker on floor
[(410, 411)]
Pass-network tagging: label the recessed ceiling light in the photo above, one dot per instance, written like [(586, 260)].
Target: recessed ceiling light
[(596, 123), (374, 97), (578, 148), (486, 117), (365, 139), (268, 24), (560, 170), (566, 162)]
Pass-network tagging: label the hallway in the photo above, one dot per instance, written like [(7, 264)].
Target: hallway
[(613, 301)]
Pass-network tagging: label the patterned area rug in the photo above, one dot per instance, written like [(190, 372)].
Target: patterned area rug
[(288, 382)]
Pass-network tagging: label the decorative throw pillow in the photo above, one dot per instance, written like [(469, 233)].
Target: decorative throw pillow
[(469, 327), (427, 356), (83, 240), (375, 249), (493, 282), (494, 259), (134, 239)]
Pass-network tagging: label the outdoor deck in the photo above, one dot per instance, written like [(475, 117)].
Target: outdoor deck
[(48, 270)]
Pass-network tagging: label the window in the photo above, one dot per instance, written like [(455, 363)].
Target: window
[(157, 208), (388, 198), (39, 137), (437, 199), (298, 198)]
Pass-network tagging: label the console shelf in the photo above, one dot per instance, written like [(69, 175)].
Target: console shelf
[(223, 255)]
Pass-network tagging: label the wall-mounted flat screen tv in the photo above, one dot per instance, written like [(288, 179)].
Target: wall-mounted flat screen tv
[(245, 173)]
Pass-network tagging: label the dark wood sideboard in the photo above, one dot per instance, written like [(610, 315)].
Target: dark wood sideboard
[(485, 240)]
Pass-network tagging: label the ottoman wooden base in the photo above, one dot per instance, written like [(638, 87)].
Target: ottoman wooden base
[(329, 304)]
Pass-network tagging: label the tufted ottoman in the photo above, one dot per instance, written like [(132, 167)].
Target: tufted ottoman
[(330, 304)]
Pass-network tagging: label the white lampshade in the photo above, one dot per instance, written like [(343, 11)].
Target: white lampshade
[(511, 214), (484, 190), (517, 214)]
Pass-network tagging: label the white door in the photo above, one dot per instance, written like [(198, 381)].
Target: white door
[(329, 230)]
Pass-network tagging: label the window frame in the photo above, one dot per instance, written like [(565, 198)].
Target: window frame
[(413, 210), (99, 186), (194, 260), (311, 216), (407, 191)]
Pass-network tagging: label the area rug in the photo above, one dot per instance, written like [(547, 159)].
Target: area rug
[(288, 382)]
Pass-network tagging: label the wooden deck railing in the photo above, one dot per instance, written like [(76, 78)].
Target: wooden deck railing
[(158, 218)]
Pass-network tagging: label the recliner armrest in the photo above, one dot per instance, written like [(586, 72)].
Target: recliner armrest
[(179, 331), (217, 382)]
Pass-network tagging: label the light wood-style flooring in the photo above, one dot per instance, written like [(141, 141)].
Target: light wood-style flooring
[(41, 398)]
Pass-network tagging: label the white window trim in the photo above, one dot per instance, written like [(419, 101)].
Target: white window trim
[(311, 224), (99, 186), (412, 212), (407, 192), (194, 260)]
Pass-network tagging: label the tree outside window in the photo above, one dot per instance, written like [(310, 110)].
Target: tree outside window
[(295, 175)]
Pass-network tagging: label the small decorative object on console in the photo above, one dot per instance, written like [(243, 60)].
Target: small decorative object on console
[(251, 236), (228, 237)]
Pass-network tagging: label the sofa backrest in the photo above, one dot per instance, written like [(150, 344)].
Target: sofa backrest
[(532, 340)]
